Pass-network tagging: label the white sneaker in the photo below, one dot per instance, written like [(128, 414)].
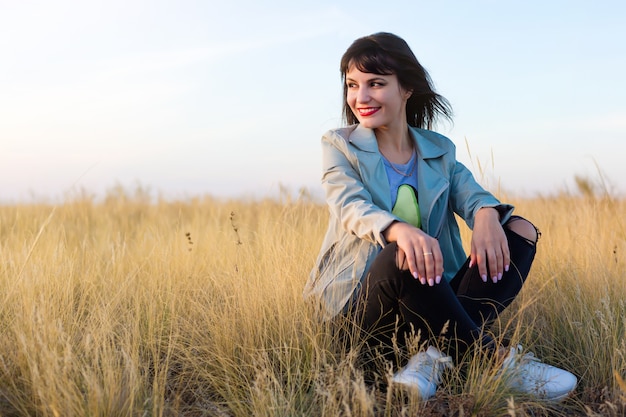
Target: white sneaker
[(423, 372), (527, 374)]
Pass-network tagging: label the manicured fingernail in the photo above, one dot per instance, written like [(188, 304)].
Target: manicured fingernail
[(423, 281), (471, 264), (494, 279), (506, 268), (499, 276), (484, 277), (431, 282), (438, 279), (415, 275)]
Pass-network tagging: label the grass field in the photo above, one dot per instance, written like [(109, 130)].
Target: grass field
[(130, 307)]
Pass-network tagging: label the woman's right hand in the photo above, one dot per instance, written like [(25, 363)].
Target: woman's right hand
[(417, 251)]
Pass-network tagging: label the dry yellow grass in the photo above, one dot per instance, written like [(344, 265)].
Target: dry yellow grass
[(128, 307)]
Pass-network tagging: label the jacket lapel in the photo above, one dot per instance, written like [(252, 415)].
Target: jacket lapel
[(371, 166), (431, 183)]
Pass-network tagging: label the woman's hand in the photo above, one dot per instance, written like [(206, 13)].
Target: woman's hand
[(417, 251), (490, 249)]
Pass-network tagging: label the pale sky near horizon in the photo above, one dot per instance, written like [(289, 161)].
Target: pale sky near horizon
[(230, 98)]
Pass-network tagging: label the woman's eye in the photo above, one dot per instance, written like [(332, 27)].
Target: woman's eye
[(351, 85)]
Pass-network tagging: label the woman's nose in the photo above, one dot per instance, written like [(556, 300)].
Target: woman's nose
[(363, 95)]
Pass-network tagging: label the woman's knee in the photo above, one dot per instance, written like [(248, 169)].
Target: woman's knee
[(524, 228)]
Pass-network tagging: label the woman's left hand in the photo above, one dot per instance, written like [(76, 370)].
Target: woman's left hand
[(490, 248)]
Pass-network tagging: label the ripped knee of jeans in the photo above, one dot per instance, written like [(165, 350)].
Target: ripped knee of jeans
[(524, 229)]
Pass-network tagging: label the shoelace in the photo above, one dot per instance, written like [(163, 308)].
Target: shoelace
[(519, 358), (528, 356), (430, 368), (439, 365)]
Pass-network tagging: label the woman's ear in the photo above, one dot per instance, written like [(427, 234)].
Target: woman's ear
[(408, 94)]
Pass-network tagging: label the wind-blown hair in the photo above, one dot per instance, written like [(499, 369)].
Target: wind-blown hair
[(386, 54)]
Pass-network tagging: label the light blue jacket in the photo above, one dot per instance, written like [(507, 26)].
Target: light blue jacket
[(359, 200)]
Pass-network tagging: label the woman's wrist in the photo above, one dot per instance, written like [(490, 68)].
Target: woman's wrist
[(388, 232), (488, 211)]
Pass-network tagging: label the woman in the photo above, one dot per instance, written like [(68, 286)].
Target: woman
[(392, 257)]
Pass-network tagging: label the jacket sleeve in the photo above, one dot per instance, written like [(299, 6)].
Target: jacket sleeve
[(348, 198), (467, 196)]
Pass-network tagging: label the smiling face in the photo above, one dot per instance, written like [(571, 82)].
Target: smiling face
[(377, 101)]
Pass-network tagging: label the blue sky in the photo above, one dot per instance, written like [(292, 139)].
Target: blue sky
[(230, 98)]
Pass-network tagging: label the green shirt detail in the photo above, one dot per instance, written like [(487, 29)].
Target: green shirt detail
[(406, 206)]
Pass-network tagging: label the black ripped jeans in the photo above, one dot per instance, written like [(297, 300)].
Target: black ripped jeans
[(391, 303)]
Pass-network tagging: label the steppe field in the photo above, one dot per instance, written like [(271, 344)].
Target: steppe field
[(127, 305)]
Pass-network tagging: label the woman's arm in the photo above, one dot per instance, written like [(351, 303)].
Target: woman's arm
[(348, 198), (485, 215)]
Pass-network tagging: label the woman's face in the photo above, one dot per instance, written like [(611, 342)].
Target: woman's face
[(377, 101)]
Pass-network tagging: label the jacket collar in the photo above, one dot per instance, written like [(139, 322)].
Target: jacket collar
[(364, 139)]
